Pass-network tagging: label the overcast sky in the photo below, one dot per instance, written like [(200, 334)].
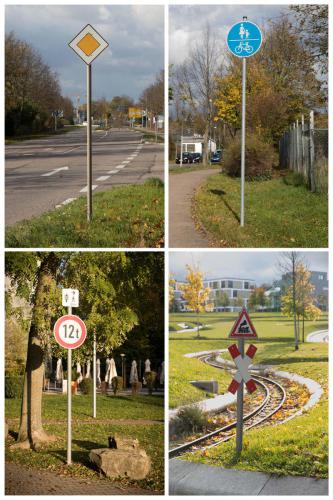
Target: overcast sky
[(135, 34), (186, 23), (260, 266)]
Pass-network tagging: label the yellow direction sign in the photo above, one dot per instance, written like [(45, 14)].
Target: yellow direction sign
[(88, 44), (134, 113)]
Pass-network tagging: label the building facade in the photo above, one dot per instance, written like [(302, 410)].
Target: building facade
[(226, 294)]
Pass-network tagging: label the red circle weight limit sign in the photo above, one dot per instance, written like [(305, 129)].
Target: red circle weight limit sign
[(70, 332)]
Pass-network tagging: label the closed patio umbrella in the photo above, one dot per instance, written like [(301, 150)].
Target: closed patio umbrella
[(59, 371), (147, 366), (88, 370), (107, 369), (79, 372), (98, 372), (134, 373)]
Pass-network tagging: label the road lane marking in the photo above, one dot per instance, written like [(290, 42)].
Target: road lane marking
[(26, 154), (69, 200), (56, 170), (125, 161), (120, 166), (102, 178), (84, 190), (113, 171)]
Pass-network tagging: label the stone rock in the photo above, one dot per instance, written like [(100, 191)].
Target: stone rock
[(133, 463)]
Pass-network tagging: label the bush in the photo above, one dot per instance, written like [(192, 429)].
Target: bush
[(116, 384), (13, 387), (86, 386), (294, 179), (150, 378), (189, 420), (259, 158)]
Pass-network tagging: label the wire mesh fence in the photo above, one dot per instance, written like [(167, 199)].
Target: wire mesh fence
[(304, 150)]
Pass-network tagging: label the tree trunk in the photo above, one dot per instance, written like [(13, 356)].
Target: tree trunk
[(31, 432), (303, 328), (205, 156), (198, 330)]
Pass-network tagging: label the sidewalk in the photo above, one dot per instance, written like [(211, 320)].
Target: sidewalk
[(188, 478), (182, 231)]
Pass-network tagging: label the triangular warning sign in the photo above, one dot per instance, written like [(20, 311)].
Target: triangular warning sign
[(243, 327)]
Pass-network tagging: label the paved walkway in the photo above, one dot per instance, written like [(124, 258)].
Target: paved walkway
[(188, 478), (182, 231), (23, 481), (318, 336)]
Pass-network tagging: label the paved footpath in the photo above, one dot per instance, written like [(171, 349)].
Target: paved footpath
[(188, 478), (318, 336), (23, 481), (182, 231)]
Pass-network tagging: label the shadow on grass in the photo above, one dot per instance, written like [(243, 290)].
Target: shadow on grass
[(220, 192), (78, 456)]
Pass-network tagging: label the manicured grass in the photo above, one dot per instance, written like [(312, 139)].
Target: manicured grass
[(276, 214), (108, 407), (94, 434), (299, 447), (130, 216)]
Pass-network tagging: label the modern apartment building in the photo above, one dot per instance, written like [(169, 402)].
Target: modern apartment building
[(226, 294)]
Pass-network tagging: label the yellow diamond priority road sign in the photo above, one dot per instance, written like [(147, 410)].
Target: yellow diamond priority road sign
[(88, 44)]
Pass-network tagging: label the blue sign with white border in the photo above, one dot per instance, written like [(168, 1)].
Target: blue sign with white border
[(244, 39)]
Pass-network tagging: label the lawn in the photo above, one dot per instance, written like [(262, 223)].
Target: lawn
[(276, 214), (89, 433), (129, 216), (177, 169), (299, 447)]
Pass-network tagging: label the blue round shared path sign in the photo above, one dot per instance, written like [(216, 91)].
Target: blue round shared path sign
[(244, 39)]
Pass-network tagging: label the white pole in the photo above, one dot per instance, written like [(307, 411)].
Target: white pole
[(243, 142), (69, 402), (94, 378), (240, 408), (89, 146)]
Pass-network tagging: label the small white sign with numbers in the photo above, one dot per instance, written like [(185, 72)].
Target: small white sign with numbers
[(70, 297)]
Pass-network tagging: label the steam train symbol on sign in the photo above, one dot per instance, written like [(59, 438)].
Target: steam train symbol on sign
[(244, 327)]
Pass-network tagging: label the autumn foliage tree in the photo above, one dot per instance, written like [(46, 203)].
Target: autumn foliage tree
[(195, 293), (304, 307)]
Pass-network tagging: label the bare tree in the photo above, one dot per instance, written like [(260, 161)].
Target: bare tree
[(288, 265), (195, 80)]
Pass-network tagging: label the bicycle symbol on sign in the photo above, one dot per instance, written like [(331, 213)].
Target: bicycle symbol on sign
[(244, 46)]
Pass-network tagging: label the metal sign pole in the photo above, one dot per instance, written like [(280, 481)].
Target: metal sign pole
[(89, 146), (243, 141), (240, 410), (94, 378), (69, 402)]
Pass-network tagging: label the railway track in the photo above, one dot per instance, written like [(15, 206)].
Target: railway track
[(274, 397)]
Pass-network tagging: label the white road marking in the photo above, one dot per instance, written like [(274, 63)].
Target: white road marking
[(102, 178), (113, 171), (120, 166), (69, 200), (54, 171), (27, 154), (85, 189), (125, 161)]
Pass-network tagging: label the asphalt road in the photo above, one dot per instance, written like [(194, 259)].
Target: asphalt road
[(43, 174)]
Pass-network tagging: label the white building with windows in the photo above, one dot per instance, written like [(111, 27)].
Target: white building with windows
[(227, 294)]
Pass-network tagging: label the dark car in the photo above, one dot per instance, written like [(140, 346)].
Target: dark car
[(216, 157), (196, 157), (186, 158)]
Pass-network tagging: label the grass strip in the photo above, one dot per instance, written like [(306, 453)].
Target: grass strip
[(276, 214), (130, 216)]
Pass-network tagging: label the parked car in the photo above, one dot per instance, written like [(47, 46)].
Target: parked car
[(186, 158), (216, 157), (196, 157)]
